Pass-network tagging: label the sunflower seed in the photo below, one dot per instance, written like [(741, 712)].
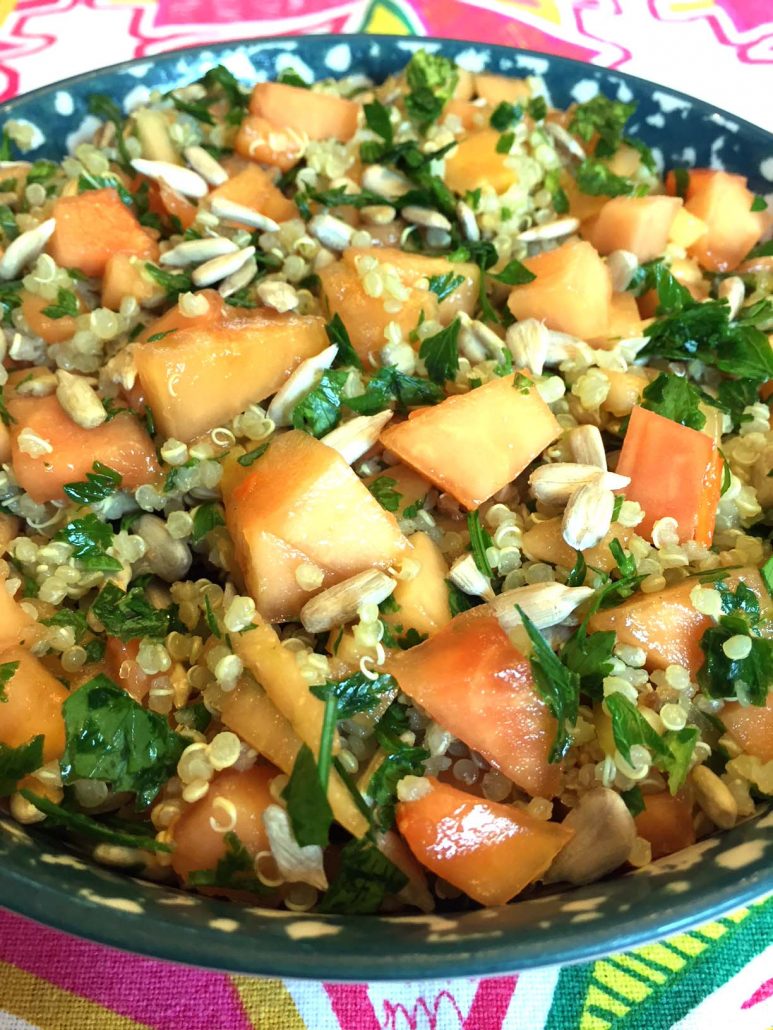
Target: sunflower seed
[(587, 516), (565, 140), (79, 400), (220, 267), (278, 295), (733, 291), (184, 180), (527, 341), (426, 217), (331, 232), (25, 248), (714, 797), (224, 208), (546, 604), (338, 604), (555, 483), (389, 184), (300, 382), (621, 265), (355, 438), (604, 832), (239, 279), (468, 221), (586, 446), (205, 164), (296, 864), (467, 576), (193, 252), (378, 214), (550, 230)]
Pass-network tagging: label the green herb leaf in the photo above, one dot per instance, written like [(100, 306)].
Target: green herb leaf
[(682, 182), (102, 106), (130, 615), (66, 304), (537, 108), (307, 805), (444, 285), (576, 577), (109, 737), (431, 80), (759, 204), (206, 518), (383, 489), (558, 687), (356, 693), (320, 410), (589, 656), (671, 753), (8, 223), (388, 386), (440, 353), (377, 119), (364, 879), (505, 143), (634, 800), (514, 274), (252, 456), (749, 678), (90, 538), (606, 117), (5, 416), (88, 181), (675, 397), (18, 762), (160, 336), (595, 179), (290, 77), (101, 483), (480, 540), (235, 871), (85, 826), (767, 574), (505, 115), (458, 601), (656, 275), (337, 334), (7, 671), (400, 759), (173, 283)]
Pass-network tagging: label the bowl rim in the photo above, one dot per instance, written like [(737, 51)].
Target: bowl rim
[(45, 898)]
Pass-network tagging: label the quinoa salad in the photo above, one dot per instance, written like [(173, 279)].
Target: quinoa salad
[(385, 492)]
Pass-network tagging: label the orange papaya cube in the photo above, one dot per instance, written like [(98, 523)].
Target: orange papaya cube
[(686, 229), (261, 140), (666, 823), (175, 205), (582, 205), (751, 727), (638, 224), (253, 187), (5, 443), (122, 668), (365, 317), (724, 203), (316, 115), (488, 850), (571, 292), (625, 390), (422, 602), (673, 471), (472, 681), (197, 844), (210, 367), (624, 321), (125, 276), (497, 88), (9, 524), (91, 227), (667, 624), (52, 330), (473, 444), (33, 705), (122, 444), (16, 626), (544, 542), (302, 494), (414, 269), (475, 163)]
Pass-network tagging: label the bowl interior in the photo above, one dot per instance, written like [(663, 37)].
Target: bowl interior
[(40, 877)]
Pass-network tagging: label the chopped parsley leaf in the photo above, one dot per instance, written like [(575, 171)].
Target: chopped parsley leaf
[(383, 489), (252, 456), (7, 671), (338, 335), (319, 411), (505, 115), (101, 483), (444, 285), (431, 80), (130, 615), (235, 871), (479, 542), (514, 274), (557, 685), (206, 518), (364, 879), (90, 537), (388, 386), (674, 397), (85, 826), (440, 353), (66, 305)]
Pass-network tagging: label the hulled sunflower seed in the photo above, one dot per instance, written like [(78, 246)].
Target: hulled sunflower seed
[(206, 165), (555, 483), (193, 252), (468, 221), (467, 576), (587, 446), (278, 295), (184, 180), (714, 797), (378, 214), (565, 140), (25, 248), (527, 341), (550, 230), (165, 557), (303, 379), (224, 208), (239, 279), (79, 400), (587, 516), (220, 267), (733, 291), (331, 232), (389, 184), (546, 604), (355, 438), (604, 832), (338, 604), (296, 864), (425, 217), (621, 265)]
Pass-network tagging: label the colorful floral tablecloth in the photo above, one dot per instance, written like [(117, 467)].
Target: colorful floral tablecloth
[(718, 975)]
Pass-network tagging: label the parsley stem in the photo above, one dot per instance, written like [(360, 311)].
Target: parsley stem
[(351, 786), (325, 757)]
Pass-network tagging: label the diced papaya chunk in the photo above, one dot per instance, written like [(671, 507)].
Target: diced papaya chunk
[(544, 542), (5, 443), (197, 845), (317, 115), (122, 668), (476, 162), (666, 823), (209, 368), (9, 524), (624, 321), (667, 624), (33, 705), (122, 444), (625, 390), (571, 293), (91, 227), (674, 473), (16, 626), (475, 683), (254, 188), (686, 229), (498, 88), (176, 205), (724, 203), (261, 140), (125, 276), (488, 850), (422, 602), (751, 726), (303, 493), (52, 330), (365, 317), (473, 444), (638, 224)]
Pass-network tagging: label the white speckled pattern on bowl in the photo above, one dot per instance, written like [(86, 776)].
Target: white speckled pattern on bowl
[(41, 878)]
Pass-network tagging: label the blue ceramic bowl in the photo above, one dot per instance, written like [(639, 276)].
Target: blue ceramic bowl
[(41, 878)]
